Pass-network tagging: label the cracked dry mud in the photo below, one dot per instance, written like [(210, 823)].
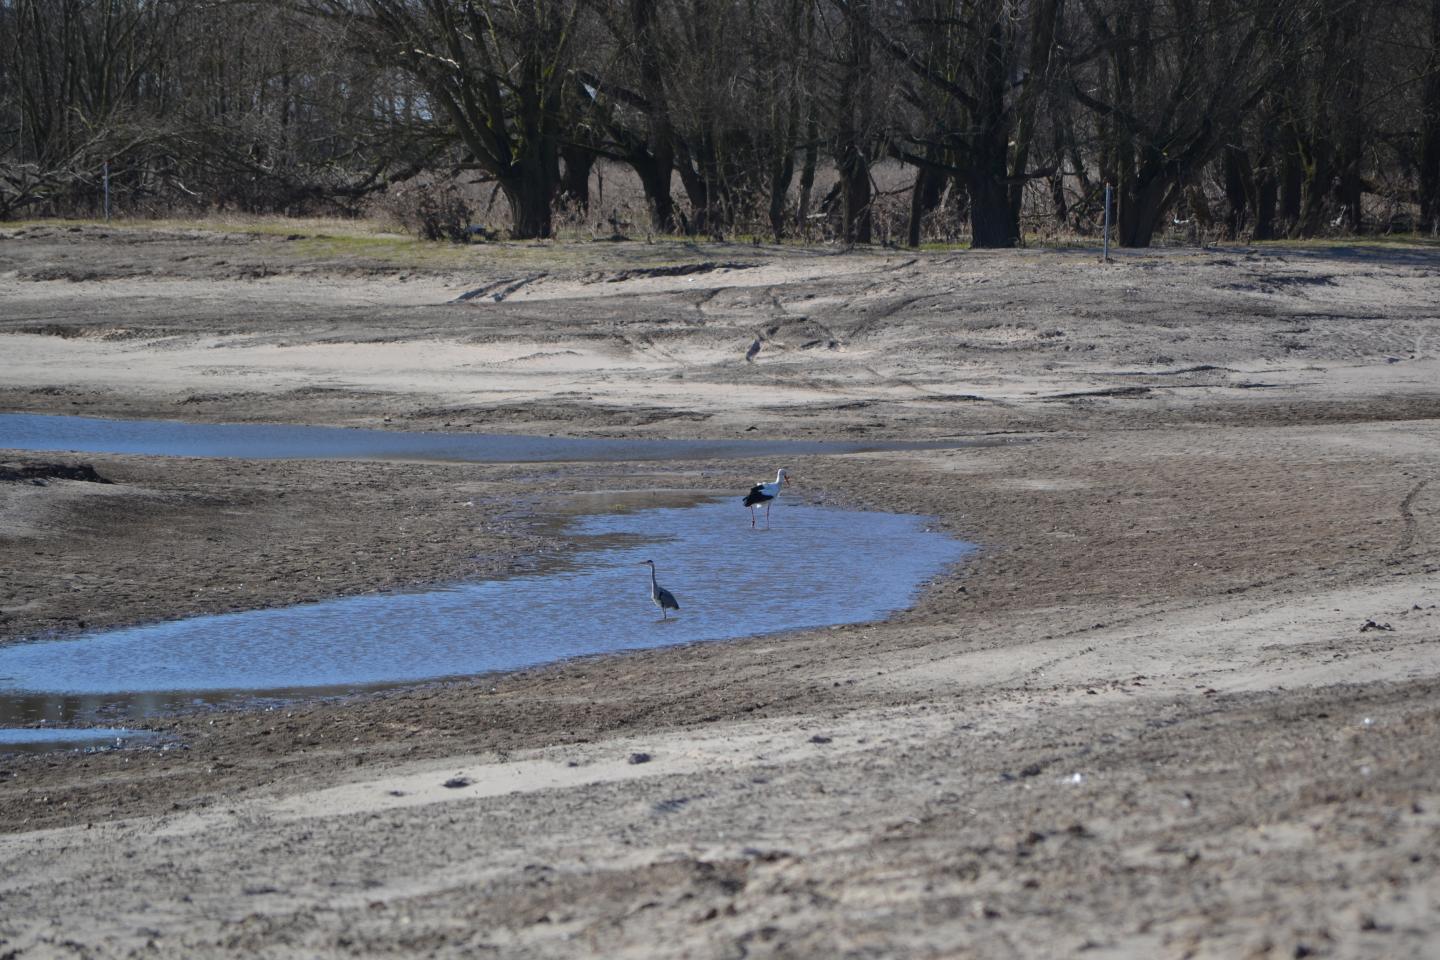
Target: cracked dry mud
[(1143, 721)]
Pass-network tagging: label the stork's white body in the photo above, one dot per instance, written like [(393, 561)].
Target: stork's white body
[(765, 493)]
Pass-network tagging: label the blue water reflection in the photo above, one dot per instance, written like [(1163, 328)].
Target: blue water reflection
[(256, 441), (42, 739), (816, 566)]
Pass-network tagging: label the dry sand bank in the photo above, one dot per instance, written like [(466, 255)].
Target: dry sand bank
[(1144, 721)]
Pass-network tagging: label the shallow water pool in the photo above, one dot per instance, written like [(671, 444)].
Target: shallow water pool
[(27, 739), (815, 566), (256, 441)]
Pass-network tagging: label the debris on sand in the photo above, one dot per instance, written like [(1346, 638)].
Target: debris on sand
[(37, 472)]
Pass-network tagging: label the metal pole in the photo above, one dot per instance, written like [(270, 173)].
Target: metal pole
[(107, 191), (1107, 223)]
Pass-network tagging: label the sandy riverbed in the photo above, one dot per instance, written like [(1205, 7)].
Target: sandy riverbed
[(1144, 721)]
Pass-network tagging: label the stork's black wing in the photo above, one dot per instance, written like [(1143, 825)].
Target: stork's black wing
[(757, 495)]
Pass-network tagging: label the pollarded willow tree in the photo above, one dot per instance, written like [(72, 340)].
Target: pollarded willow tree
[(712, 101), (716, 91), (499, 72), (974, 75), (1272, 117), (1428, 138), (1166, 82)]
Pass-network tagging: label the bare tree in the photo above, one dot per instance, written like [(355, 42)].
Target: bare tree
[(622, 83), (975, 71), (497, 71), (712, 90), (1429, 152), (1165, 81), (1304, 115), (76, 78), (854, 120), (190, 104)]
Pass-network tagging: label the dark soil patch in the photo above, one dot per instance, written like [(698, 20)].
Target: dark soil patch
[(38, 472)]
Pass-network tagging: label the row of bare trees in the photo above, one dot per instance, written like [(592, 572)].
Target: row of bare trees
[(1259, 118), (195, 103)]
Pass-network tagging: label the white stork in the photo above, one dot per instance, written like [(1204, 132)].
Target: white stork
[(764, 493)]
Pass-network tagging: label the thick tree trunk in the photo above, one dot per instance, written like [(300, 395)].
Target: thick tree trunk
[(995, 197), (697, 190), (1024, 115), (575, 177), (992, 224), (807, 177), (655, 181), (812, 130), (1142, 204), (850, 155), (1430, 174), (1351, 191), (994, 210), (656, 170), (1430, 179), (855, 192), (530, 216), (925, 196), (1066, 148), (1292, 180), (784, 134), (528, 195), (1267, 195), (1059, 205), (1237, 191), (781, 174), (1430, 131), (1315, 175)]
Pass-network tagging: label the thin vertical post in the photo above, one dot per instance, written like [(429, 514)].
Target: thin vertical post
[(1107, 224), (107, 191)]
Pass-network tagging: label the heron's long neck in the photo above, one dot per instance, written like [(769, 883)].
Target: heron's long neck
[(653, 582)]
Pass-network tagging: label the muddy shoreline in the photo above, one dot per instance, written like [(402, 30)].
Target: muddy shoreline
[(1147, 719)]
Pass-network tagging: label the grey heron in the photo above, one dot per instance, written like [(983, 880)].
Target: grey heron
[(659, 596), (765, 493), (753, 351)]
